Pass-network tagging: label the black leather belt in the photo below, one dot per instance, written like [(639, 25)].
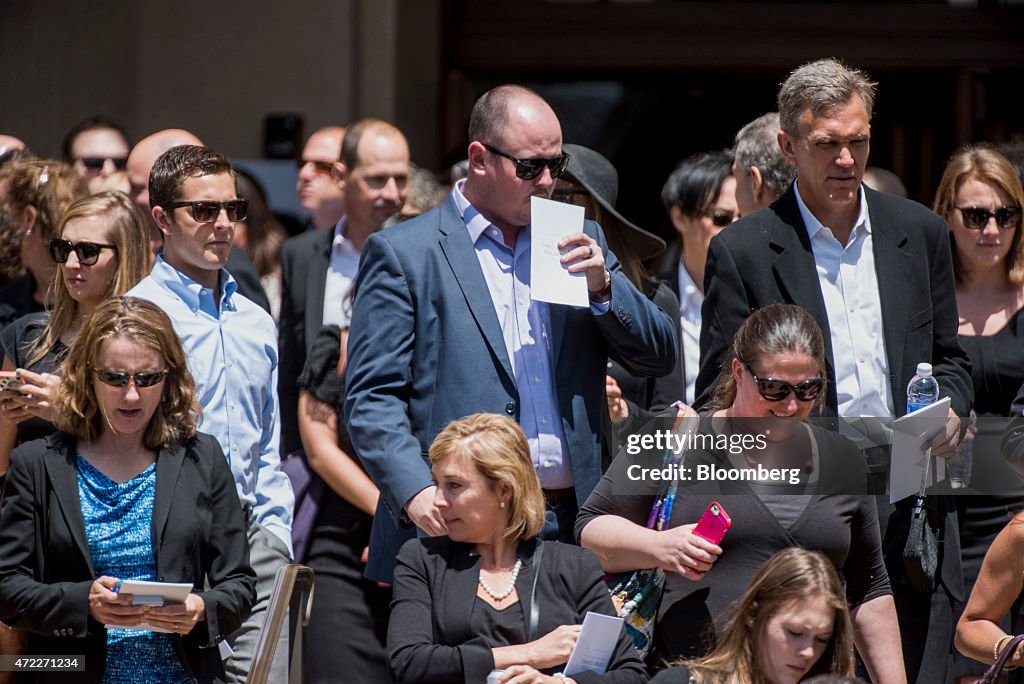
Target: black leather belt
[(553, 497)]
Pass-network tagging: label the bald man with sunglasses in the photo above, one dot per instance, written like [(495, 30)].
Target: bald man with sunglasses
[(444, 326)]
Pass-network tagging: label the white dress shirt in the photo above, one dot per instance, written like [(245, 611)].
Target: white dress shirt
[(341, 274), (849, 286), (690, 301)]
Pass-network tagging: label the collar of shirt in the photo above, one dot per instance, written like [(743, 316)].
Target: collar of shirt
[(690, 295), (475, 222), (191, 292), (814, 226), (342, 244)]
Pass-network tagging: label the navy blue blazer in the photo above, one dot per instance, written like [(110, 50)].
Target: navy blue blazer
[(426, 348)]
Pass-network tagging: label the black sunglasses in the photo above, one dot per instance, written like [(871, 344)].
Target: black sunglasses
[(567, 195), (721, 217), (528, 169), (206, 211), (96, 163), (321, 167), (142, 380), (87, 252), (976, 218), (773, 389)]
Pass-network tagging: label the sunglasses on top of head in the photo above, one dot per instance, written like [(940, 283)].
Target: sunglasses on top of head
[(528, 169), (976, 218), (207, 211), (88, 253), (773, 389), (142, 379)]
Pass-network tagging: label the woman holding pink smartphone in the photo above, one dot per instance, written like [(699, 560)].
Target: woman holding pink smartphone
[(782, 482)]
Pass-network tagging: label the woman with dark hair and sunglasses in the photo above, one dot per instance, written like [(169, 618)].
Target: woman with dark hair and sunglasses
[(783, 481), (126, 489), (980, 196), (100, 249), (700, 198)]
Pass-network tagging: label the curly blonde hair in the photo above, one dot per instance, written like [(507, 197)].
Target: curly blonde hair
[(145, 324)]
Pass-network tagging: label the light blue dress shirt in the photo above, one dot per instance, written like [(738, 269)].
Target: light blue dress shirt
[(526, 329), (232, 354)]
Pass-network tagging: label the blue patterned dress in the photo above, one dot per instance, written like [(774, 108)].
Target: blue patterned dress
[(118, 522)]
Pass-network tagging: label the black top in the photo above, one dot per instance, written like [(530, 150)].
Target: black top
[(679, 674), (16, 299), (15, 341), (498, 627), (337, 520), (842, 526), (997, 366), (431, 634)]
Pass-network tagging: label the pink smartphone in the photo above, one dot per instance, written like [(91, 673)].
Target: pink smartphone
[(10, 380), (713, 524)]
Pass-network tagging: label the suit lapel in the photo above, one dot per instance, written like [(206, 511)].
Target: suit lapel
[(795, 271), (895, 273), (62, 470), (168, 468), (461, 256), (316, 282)]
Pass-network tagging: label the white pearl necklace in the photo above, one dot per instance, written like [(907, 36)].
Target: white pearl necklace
[(499, 595)]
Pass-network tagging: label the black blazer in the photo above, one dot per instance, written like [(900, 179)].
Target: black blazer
[(304, 262), (46, 570), (766, 258), (429, 637)]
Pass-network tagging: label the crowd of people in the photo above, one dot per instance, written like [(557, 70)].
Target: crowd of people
[(391, 397)]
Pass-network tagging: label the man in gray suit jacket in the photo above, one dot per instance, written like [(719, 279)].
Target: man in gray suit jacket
[(444, 326)]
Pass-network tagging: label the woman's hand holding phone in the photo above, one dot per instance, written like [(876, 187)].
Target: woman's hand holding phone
[(685, 553)]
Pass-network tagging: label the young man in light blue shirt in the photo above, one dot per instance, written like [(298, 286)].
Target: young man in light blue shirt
[(231, 345)]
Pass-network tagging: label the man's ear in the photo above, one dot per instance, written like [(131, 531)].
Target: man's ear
[(475, 153), (758, 180), (788, 147), (678, 218), (339, 173), (162, 218)]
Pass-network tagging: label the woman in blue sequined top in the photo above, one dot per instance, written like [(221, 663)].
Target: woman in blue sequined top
[(125, 490)]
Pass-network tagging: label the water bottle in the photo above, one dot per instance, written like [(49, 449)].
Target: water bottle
[(494, 676), (958, 468), (923, 388)]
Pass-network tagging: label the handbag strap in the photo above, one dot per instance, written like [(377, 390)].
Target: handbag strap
[(661, 510), (538, 554), (997, 667)]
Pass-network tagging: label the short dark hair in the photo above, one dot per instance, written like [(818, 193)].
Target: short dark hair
[(91, 123), (695, 183), (354, 134), (490, 113), (176, 165)]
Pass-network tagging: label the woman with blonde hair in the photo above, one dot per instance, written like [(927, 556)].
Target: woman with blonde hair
[(792, 622), (101, 248), (126, 489), (490, 595)]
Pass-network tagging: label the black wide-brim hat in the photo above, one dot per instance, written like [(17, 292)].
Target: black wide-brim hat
[(594, 172)]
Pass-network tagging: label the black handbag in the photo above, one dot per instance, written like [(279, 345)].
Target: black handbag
[(991, 675), (921, 552)]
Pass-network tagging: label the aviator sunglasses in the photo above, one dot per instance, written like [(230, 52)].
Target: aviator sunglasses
[(142, 379), (207, 211), (773, 389), (87, 252), (976, 218), (528, 169), (721, 217)]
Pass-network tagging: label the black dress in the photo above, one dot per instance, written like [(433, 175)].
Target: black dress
[(348, 623), (15, 341), (997, 370)]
